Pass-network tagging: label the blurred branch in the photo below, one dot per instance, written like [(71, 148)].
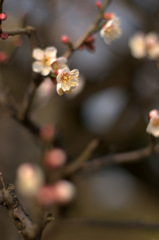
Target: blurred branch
[(90, 30), (77, 164), (23, 223), (125, 157), (29, 31), (112, 224)]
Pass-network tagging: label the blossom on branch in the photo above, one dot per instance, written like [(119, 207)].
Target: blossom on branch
[(111, 30), (67, 80), (59, 63), (153, 126), (44, 59)]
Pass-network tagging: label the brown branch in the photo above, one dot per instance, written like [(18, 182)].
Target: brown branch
[(23, 223), (125, 157), (78, 163), (29, 31), (90, 30)]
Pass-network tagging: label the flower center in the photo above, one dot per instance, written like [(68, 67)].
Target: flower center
[(65, 77), (46, 61)]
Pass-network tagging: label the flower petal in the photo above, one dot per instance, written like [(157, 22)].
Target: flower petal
[(37, 66), (74, 73), (38, 54), (45, 70), (50, 52), (59, 89)]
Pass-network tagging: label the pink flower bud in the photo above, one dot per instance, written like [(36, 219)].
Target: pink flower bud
[(108, 16), (65, 39), (64, 192), (55, 158), (153, 113), (45, 195), (98, 4), (3, 57), (4, 35), (47, 133), (3, 16)]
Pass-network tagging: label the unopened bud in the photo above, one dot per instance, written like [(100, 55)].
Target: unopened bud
[(98, 4), (65, 39), (29, 179), (64, 192), (3, 57), (4, 35), (3, 16), (55, 158), (45, 195), (153, 113), (47, 133)]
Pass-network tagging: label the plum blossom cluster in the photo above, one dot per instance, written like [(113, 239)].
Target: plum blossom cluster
[(46, 63), (153, 125), (111, 30), (144, 45)]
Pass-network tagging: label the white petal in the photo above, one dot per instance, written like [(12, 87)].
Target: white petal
[(37, 66), (65, 86), (50, 52), (45, 70), (74, 72), (62, 60), (38, 54), (59, 89)]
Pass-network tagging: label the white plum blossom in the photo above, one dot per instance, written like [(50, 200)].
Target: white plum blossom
[(153, 125), (137, 45), (43, 60), (111, 30), (59, 63), (67, 80)]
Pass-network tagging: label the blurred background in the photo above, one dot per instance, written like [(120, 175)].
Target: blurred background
[(117, 92)]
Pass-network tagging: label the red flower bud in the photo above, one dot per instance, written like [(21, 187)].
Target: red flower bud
[(65, 39), (4, 35), (98, 4), (3, 57), (3, 16)]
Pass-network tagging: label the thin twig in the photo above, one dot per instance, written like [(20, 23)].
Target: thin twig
[(125, 157), (90, 30)]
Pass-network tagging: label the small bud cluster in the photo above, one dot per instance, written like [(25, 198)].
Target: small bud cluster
[(30, 181), (153, 125), (3, 35), (145, 45), (47, 63)]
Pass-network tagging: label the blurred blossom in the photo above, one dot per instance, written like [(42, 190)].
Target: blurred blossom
[(45, 195), (137, 45), (67, 80), (44, 93), (29, 179), (153, 125), (64, 192), (61, 192), (47, 133), (55, 158), (111, 30), (44, 59)]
